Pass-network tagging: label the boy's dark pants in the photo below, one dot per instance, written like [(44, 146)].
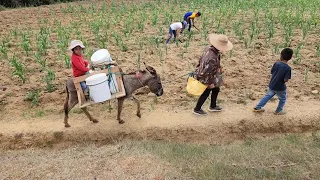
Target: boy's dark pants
[(204, 96)]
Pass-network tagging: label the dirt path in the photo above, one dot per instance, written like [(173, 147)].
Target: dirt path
[(235, 122)]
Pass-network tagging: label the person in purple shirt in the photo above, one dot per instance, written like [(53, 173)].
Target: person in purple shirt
[(281, 73)]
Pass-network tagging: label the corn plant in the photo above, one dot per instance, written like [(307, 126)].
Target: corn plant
[(144, 15), (246, 42), (120, 42), (82, 9), (103, 40), (26, 43), (43, 43), (297, 59), (305, 29), (205, 23), (140, 25), (78, 34), (270, 29), (275, 49), (118, 38), (124, 9), (14, 33), (253, 30), (18, 68), (161, 30), (67, 61), (155, 18), (134, 8), (288, 33), (113, 7), (92, 8), (168, 18), (48, 79), (187, 44), (156, 40), (41, 61), (34, 97), (95, 26), (103, 7), (106, 24), (317, 65), (4, 49), (124, 47), (141, 45), (139, 60), (127, 31), (63, 38), (220, 30), (318, 49)]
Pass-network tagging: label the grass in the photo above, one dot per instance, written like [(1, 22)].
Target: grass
[(291, 156), (286, 157)]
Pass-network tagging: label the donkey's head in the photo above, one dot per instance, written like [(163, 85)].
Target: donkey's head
[(154, 81)]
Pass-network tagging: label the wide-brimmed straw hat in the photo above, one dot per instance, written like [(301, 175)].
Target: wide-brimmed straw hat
[(220, 42), (75, 43)]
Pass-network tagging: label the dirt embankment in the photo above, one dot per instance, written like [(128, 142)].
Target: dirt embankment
[(234, 123)]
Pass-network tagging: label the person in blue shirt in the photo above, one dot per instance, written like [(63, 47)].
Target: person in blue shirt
[(281, 73), (189, 17)]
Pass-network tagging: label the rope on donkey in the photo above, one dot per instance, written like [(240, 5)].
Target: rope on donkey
[(179, 77)]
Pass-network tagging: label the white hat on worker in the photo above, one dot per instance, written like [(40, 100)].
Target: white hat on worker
[(75, 43)]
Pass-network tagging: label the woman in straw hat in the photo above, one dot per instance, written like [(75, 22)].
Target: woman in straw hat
[(80, 66), (209, 71)]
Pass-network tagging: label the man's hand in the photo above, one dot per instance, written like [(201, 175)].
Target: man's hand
[(89, 66)]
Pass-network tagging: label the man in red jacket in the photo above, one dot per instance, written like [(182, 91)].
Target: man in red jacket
[(80, 66)]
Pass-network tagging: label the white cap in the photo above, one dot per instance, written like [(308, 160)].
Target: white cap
[(75, 43)]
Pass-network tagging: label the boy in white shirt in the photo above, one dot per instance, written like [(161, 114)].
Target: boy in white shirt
[(175, 29)]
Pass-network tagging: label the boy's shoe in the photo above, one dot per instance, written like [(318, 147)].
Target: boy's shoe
[(200, 112), (215, 109), (259, 110), (279, 113)]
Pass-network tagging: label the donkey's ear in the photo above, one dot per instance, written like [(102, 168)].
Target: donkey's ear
[(150, 69)]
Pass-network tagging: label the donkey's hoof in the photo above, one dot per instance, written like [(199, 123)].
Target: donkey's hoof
[(139, 115), (121, 122), (67, 125), (95, 121)]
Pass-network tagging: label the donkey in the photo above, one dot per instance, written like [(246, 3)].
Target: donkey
[(131, 81)]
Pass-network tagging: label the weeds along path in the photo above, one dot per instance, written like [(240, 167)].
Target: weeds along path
[(235, 122)]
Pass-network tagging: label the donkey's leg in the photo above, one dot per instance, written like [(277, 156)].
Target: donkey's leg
[(138, 106), (67, 107), (89, 115), (120, 105)]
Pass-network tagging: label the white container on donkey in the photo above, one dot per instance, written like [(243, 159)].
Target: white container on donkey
[(98, 87), (100, 56)]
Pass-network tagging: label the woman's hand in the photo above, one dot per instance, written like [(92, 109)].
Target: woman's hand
[(211, 86)]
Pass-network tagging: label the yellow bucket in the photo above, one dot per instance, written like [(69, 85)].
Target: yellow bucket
[(194, 87)]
